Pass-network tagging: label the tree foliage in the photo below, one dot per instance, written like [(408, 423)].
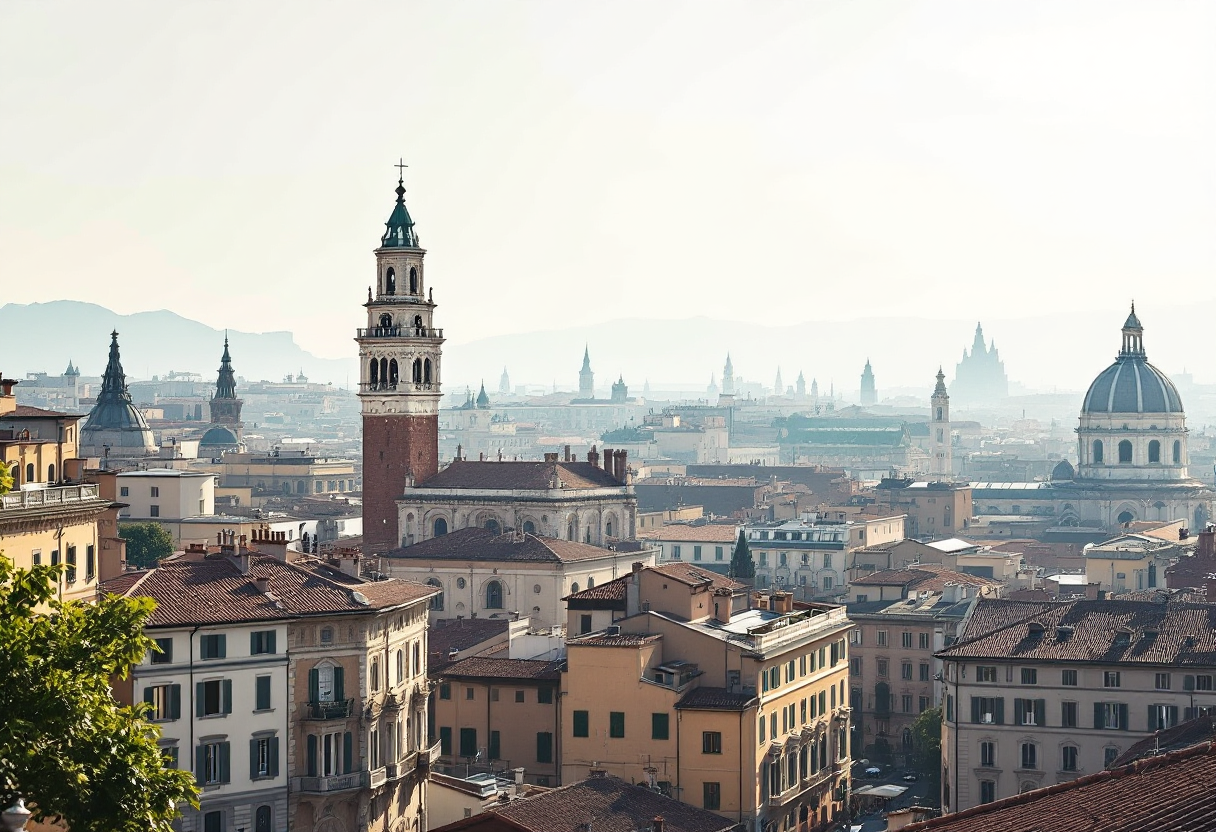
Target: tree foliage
[(927, 742), (146, 543), (65, 745), (742, 567), (6, 479)]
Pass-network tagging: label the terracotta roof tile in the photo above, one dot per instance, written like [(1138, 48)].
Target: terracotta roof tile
[(1091, 631), (618, 640), (459, 634), (486, 668), (30, 412), (521, 475), (614, 590), (715, 699), (692, 574), (1167, 793), (213, 591), (927, 577), (709, 533), (485, 545)]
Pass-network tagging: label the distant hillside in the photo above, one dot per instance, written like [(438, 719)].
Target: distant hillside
[(45, 336)]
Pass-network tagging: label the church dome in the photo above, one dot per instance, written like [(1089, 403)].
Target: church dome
[(1131, 384), (219, 437)]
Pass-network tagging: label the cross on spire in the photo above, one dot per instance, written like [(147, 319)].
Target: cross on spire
[(401, 166)]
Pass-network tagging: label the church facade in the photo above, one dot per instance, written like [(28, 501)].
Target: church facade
[(980, 377), (115, 427)]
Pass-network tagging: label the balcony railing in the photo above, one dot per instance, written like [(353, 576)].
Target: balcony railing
[(342, 709), (786, 796), (378, 777), (334, 783), (427, 757), (39, 497), (399, 386), (400, 332)]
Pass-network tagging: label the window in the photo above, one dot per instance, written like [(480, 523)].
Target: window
[(882, 668), (445, 690), (584, 624), (468, 742), (905, 670), (1097, 452), (658, 727), (1068, 715), (1030, 676), (54, 557), (1068, 758), (855, 666), (544, 747), (375, 676), (906, 640), (1125, 451), (213, 698), (923, 640), (166, 702), (988, 710), (827, 583), (155, 492), (855, 635), (711, 742), (675, 554), (1109, 755), (1111, 716), (124, 491), (440, 527), (1068, 678), (214, 763), (827, 561), (70, 560), (1177, 452), (718, 555), (163, 654), (763, 733), (1163, 681), (154, 511), (1030, 754), (494, 595), (1110, 679), (922, 704), (262, 641), (616, 724), (712, 796), (1030, 711), (906, 703), (445, 741), (581, 724), (988, 754), (495, 752), (263, 757), (882, 638), (696, 552), (987, 791), (1162, 716), (985, 674), (262, 693), (924, 672), (469, 693), (213, 822), (214, 646)]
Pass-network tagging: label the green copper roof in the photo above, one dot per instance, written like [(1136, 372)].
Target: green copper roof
[(399, 230)]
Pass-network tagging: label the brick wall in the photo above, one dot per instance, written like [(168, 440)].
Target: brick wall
[(393, 447)]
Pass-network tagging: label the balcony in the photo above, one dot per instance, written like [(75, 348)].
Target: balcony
[(342, 709), (334, 783), (399, 387), (378, 777), (36, 498), (427, 757), (785, 796), (400, 332)]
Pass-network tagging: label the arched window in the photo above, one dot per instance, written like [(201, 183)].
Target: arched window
[(400, 666), (1097, 452), (373, 372), (440, 527), (390, 282), (608, 527), (587, 535), (301, 487), (492, 526), (570, 530), (29, 472), (384, 371), (590, 582), (375, 675), (50, 473), (418, 325), (437, 601), (417, 660), (574, 587), (1154, 451), (1125, 451), (413, 281), (529, 527), (392, 373), (263, 820), (426, 371), (1177, 452), (286, 488), (494, 595), (1126, 517), (417, 371), (386, 321)]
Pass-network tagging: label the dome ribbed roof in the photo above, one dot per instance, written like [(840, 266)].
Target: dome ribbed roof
[(1131, 384), (218, 435)]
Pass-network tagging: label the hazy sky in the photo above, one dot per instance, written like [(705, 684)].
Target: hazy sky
[(574, 162)]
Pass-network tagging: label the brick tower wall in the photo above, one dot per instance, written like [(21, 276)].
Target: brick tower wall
[(393, 447)]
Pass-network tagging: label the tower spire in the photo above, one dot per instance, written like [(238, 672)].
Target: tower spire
[(399, 230)]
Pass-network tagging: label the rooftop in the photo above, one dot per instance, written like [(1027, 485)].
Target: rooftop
[(448, 634), (480, 667), (926, 577), (485, 545), (715, 699), (710, 533), (515, 476)]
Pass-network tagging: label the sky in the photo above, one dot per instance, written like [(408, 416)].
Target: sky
[(572, 163)]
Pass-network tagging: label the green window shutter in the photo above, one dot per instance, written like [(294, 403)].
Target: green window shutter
[(468, 742), (253, 759), (339, 684), (999, 718), (314, 685), (199, 689), (581, 724), (226, 687), (445, 741), (348, 752), (1173, 715), (495, 749), (616, 724), (221, 646), (274, 756), (975, 709), (312, 755), (1099, 722), (175, 701), (658, 726), (1123, 718), (544, 747), (1019, 711), (262, 697), (270, 639), (148, 695), (1040, 712), (225, 762), (200, 763), (255, 643), (1188, 682)]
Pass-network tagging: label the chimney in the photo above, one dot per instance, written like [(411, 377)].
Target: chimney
[(1210, 584), (567, 457), (593, 457), (1092, 592), (1207, 543), (722, 604), (638, 566), (596, 771), (550, 457), (608, 452), (624, 466), (262, 585), (459, 452), (657, 824)]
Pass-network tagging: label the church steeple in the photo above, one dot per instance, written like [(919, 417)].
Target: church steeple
[(225, 406), (586, 378), (399, 230), (225, 385)]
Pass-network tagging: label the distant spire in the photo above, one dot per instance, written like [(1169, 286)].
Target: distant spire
[(587, 358), (225, 385), (940, 389), (399, 230)]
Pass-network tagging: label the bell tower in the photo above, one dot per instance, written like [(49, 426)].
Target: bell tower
[(941, 466), (399, 379)]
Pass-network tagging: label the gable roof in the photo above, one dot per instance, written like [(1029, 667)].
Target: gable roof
[(481, 667), (485, 545), (603, 803), (215, 591), (925, 577), (1147, 632), (709, 533), (1167, 793), (687, 573), (448, 634), (513, 475)]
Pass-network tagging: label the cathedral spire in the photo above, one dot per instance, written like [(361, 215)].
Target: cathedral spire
[(399, 230), (977, 346), (114, 380), (225, 385)]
